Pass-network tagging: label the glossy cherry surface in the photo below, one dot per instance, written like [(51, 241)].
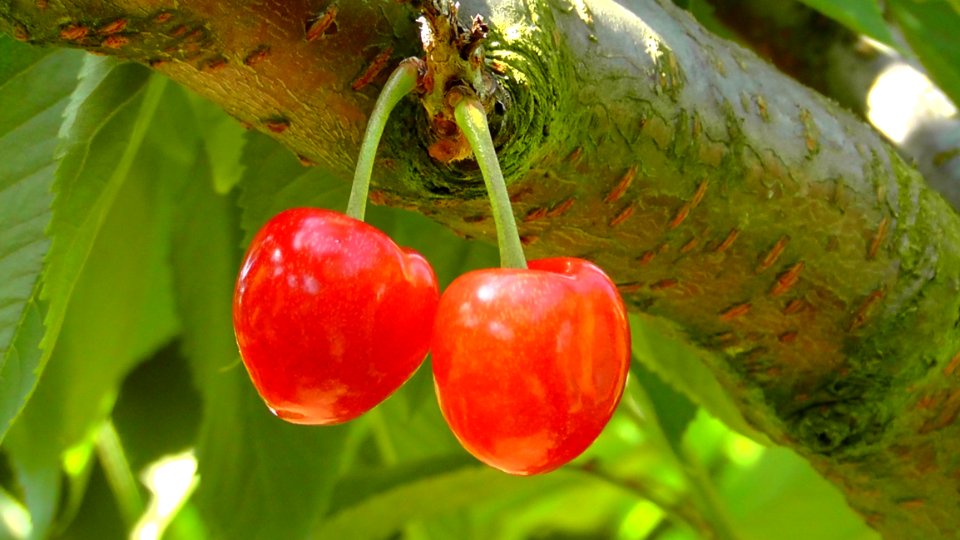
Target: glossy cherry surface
[(331, 316), (530, 364)]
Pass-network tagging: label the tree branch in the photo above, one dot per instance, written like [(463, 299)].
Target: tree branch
[(834, 61), (751, 215)]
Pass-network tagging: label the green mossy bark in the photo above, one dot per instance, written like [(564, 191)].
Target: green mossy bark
[(776, 230)]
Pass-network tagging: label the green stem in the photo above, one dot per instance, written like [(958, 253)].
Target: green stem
[(117, 470), (473, 122), (677, 513), (710, 509), (401, 82), (709, 500), (381, 435), (413, 530)]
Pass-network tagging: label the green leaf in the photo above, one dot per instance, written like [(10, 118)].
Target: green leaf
[(681, 366), (103, 130), (419, 490), (17, 59), (274, 180), (705, 13), (674, 411), (355, 488), (105, 120), (173, 422), (771, 492), (260, 476), (39, 82), (782, 497), (862, 16), (931, 29), (587, 508), (121, 310), (98, 516), (222, 138), (450, 255), (779, 495)]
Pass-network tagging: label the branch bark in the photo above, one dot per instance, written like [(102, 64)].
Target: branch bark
[(745, 212)]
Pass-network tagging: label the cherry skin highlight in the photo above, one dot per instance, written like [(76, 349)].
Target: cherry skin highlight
[(330, 315), (529, 364)]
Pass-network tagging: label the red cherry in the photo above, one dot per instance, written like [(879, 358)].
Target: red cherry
[(331, 316), (530, 364)]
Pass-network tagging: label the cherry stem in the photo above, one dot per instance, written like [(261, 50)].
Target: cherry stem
[(472, 120), (401, 82)]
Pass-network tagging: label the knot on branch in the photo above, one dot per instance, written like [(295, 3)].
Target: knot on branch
[(844, 425), (454, 59)]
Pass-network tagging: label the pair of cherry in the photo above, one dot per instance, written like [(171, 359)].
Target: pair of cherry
[(332, 317)]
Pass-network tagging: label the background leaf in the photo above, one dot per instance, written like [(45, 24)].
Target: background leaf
[(681, 366), (38, 82), (122, 309), (772, 492), (795, 504), (260, 477), (157, 409), (274, 180), (433, 489), (222, 138), (862, 16), (104, 128), (105, 122), (98, 516), (930, 27), (28, 134), (674, 411)]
